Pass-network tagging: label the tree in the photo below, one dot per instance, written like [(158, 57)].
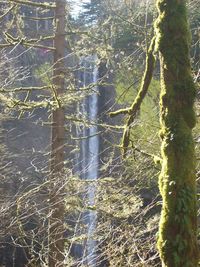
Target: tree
[(19, 34), (56, 247), (126, 197), (93, 11), (177, 241)]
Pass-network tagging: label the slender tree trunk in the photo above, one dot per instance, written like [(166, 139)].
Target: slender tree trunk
[(177, 241), (56, 229)]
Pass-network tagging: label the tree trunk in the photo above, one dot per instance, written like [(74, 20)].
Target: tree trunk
[(177, 240), (56, 222)]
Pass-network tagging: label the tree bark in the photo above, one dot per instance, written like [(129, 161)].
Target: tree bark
[(177, 240), (56, 222)]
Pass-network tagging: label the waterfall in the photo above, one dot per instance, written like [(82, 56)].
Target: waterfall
[(89, 151)]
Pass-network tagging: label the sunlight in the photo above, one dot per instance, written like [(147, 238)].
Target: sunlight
[(77, 6)]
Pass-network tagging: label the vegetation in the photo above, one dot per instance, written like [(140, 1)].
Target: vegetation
[(99, 149), (178, 226)]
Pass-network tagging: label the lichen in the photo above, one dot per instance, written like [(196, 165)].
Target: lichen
[(177, 241)]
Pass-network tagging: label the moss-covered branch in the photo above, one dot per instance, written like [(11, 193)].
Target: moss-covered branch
[(132, 111), (6, 13), (89, 123), (157, 159), (12, 41), (5, 45), (35, 4), (146, 80), (122, 111), (23, 89)]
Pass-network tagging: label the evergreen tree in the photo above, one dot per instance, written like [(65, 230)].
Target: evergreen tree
[(94, 11)]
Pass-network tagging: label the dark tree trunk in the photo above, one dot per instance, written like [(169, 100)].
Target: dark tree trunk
[(56, 229)]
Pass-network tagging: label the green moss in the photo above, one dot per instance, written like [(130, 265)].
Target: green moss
[(177, 241)]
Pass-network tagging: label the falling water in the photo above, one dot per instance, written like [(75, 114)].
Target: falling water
[(89, 151)]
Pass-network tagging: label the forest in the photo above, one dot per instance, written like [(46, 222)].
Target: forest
[(99, 133)]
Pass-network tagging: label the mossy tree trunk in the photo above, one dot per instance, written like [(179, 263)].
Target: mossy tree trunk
[(177, 240)]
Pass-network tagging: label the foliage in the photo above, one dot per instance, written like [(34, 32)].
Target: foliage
[(127, 202)]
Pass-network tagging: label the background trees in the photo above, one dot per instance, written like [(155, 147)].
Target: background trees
[(127, 202)]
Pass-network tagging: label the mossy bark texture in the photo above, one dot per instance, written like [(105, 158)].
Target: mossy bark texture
[(177, 241)]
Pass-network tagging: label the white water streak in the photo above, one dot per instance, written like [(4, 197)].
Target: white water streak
[(89, 152)]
